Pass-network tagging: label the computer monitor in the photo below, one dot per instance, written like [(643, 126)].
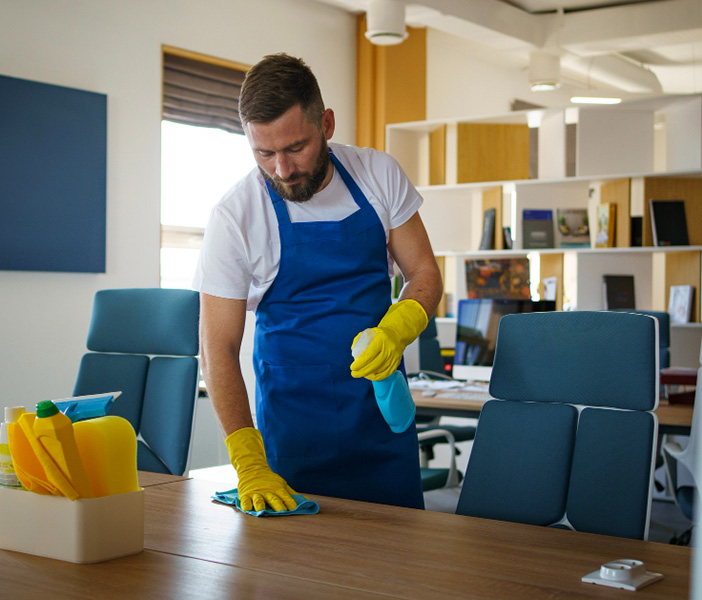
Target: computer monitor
[(476, 333)]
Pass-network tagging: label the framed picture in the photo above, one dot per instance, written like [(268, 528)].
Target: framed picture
[(680, 303), (505, 278)]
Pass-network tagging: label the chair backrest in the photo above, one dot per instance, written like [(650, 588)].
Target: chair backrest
[(144, 342), (663, 333), (571, 439)]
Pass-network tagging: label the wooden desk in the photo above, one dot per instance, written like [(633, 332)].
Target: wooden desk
[(445, 406), (197, 548), (153, 575), (362, 548), (672, 418), (147, 479)]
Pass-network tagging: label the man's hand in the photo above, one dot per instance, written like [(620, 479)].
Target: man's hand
[(258, 484), (400, 326)]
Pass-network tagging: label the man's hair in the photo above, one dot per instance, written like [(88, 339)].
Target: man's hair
[(274, 85)]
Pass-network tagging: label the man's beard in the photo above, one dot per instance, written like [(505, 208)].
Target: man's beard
[(303, 191)]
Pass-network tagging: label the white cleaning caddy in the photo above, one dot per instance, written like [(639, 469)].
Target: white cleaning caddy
[(79, 531)]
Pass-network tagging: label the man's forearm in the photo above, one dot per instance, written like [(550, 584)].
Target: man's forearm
[(409, 246), (221, 330), (426, 287), (227, 392)]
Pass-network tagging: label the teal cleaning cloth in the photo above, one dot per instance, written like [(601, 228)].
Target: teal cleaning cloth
[(304, 506)]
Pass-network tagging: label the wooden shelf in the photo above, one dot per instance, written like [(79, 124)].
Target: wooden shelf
[(626, 154)]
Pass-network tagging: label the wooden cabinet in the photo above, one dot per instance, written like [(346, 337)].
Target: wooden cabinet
[(571, 158)]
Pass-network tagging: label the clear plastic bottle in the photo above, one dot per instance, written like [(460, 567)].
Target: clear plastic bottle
[(392, 393), (8, 476)]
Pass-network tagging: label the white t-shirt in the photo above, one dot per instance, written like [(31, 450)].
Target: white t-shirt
[(241, 248)]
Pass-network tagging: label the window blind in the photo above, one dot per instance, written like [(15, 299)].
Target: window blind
[(200, 93)]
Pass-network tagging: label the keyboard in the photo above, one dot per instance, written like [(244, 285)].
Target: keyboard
[(462, 395)]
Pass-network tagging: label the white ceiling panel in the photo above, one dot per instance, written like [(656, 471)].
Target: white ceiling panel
[(661, 36)]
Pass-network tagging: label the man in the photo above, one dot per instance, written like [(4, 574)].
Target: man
[(306, 241)]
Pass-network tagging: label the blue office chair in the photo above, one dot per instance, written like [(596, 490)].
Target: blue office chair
[(663, 333), (571, 440), (663, 362), (144, 343), (686, 496)]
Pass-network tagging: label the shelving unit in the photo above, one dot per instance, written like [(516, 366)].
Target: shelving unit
[(568, 158)]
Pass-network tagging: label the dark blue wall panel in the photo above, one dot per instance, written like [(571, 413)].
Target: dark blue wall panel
[(53, 160)]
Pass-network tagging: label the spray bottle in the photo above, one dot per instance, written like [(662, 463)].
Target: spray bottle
[(392, 393)]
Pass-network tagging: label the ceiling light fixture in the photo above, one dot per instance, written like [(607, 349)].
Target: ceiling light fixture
[(544, 71), (615, 72), (386, 22), (594, 100)]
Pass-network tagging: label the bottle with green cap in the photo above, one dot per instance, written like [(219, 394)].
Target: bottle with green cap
[(54, 430)]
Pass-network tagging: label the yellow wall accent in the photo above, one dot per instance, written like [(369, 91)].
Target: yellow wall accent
[(390, 84), (437, 156), (492, 152)]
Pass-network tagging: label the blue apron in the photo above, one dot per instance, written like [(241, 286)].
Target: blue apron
[(322, 429)]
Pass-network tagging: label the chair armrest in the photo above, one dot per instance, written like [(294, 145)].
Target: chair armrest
[(673, 449), (437, 434)]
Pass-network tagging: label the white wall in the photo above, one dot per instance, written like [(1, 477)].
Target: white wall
[(114, 47), (461, 83)]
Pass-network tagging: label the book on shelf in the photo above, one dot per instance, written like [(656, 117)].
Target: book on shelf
[(537, 229), (507, 234), (487, 242), (572, 228), (636, 232), (680, 303), (506, 278), (606, 220), (668, 223), (619, 292)]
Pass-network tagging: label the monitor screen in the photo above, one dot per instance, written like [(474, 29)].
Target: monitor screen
[(476, 333)]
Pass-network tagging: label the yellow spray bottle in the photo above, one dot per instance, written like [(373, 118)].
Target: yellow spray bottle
[(54, 431)]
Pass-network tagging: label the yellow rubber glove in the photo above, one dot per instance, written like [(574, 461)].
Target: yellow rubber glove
[(400, 326), (258, 484)]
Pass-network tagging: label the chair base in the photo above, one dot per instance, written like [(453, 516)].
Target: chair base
[(435, 479), (683, 539)]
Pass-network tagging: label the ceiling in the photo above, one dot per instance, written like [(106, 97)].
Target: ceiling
[(599, 43)]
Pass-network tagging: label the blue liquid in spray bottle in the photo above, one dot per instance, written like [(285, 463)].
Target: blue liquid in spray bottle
[(392, 393)]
